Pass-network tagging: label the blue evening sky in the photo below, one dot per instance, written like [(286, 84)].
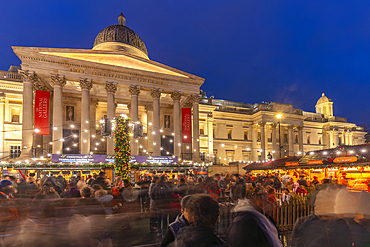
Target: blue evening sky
[(249, 51)]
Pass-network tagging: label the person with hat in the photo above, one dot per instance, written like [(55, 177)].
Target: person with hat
[(6, 190)]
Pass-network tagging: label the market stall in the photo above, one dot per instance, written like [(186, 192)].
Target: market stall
[(344, 165)]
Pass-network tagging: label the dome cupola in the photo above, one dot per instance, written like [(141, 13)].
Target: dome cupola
[(120, 38), (324, 106)]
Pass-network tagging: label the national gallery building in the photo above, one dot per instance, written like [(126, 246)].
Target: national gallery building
[(55, 102)]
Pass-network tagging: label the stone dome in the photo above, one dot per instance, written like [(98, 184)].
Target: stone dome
[(120, 38), (323, 99)]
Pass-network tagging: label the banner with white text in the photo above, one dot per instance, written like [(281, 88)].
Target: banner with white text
[(186, 125), (42, 112)]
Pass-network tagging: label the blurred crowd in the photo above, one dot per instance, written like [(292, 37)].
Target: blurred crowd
[(182, 210)]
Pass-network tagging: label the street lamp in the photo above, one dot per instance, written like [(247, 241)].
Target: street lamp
[(279, 116)]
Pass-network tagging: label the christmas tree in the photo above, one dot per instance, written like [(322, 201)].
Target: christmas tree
[(122, 147)]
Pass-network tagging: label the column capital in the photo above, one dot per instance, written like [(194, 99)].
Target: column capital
[(273, 125), (37, 85), (111, 87), (188, 103), (262, 123), (28, 76), (195, 98), (176, 96), (290, 127), (58, 80), (156, 93), (134, 90), (149, 107), (300, 127), (85, 84)]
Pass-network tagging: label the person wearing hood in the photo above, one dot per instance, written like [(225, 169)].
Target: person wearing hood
[(180, 222), (250, 227), (50, 181), (6, 190), (202, 212)]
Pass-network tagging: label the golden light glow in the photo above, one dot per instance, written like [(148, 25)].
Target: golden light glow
[(279, 116), (116, 60)]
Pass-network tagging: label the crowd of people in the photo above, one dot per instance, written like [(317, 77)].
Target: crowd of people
[(182, 211)]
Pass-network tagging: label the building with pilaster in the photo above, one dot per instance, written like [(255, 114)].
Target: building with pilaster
[(238, 132), (115, 77)]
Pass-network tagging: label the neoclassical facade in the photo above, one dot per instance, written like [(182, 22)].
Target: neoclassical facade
[(115, 77), (232, 131)]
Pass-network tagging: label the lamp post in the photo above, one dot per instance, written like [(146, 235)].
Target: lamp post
[(278, 116)]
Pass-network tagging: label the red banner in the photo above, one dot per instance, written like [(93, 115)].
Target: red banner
[(42, 112), (186, 125)]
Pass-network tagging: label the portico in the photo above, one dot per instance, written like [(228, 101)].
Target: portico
[(117, 77)]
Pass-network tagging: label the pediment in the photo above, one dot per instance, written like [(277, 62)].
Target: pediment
[(119, 60)]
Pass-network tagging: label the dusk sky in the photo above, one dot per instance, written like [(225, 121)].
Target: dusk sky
[(248, 51)]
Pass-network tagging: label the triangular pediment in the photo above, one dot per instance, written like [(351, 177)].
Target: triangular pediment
[(120, 60)]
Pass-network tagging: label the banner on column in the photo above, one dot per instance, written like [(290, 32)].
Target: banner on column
[(186, 125), (42, 112)]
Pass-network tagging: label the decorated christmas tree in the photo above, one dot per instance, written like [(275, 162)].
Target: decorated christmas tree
[(122, 147)]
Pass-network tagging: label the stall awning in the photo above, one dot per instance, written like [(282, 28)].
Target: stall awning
[(272, 164)]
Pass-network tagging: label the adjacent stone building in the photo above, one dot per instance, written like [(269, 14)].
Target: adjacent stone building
[(232, 131)]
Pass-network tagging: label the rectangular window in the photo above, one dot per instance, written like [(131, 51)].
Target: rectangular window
[(230, 156), (340, 140), (214, 133), (201, 129), (270, 138), (229, 134), (320, 140), (15, 115), (296, 139), (245, 157), (15, 151), (245, 135), (202, 156), (285, 138), (308, 139)]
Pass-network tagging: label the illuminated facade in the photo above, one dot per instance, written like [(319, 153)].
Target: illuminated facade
[(115, 77), (232, 131)]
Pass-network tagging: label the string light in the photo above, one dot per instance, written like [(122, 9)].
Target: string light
[(173, 134), (161, 130), (55, 128), (37, 130), (72, 126)]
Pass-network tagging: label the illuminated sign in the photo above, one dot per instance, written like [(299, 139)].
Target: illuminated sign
[(314, 162), (345, 159), (291, 164)]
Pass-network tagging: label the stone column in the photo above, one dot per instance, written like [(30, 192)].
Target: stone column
[(176, 96), (134, 110), (336, 139), (93, 122), (273, 126), (263, 141), (196, 154), (85, 85), (350, 138), (27, 113), (343, 138), (59, 82), (156, 94), (149, 115), (210, 136), (254, 143), (111, 112), (300, 139), (290, 140)]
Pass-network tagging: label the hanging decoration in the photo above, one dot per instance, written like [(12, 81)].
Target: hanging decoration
[(122, 147)]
